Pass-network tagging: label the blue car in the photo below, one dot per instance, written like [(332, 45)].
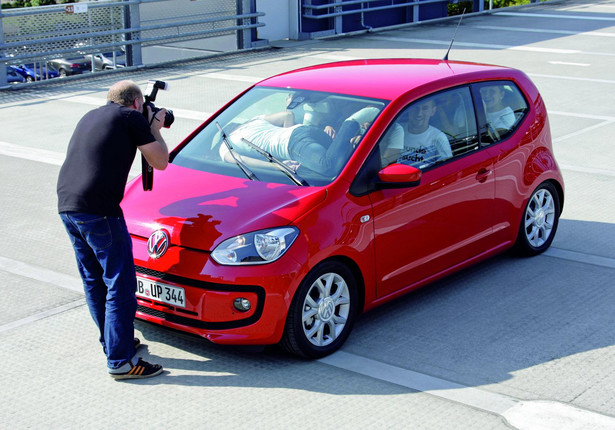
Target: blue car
[(13, 77), (31, 73)]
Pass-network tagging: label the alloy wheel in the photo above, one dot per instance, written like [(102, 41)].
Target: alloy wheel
[(326, 309)]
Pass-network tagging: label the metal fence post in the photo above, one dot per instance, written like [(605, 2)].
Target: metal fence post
[(247, 36), (3, 66), (242, 35), (338, 25), (132, 19)]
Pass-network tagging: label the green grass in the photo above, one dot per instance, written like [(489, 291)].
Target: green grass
[(457, 8)]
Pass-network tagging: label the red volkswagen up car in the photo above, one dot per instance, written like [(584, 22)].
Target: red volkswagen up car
[(321, 193)]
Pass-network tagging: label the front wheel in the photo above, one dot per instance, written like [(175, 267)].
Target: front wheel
[(540, 219), (322, 312)]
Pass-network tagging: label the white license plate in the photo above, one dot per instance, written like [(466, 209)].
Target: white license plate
[(161, 292)]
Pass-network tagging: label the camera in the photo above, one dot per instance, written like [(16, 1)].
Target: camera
[(147, 172), (150, 98)]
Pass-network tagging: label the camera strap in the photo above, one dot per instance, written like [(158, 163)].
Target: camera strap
[(147, 174)]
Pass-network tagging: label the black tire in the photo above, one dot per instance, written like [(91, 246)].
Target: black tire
[(63, 73), (539, 222), (322, 312)]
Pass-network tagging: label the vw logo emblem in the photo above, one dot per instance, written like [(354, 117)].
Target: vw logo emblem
[(158, 243)]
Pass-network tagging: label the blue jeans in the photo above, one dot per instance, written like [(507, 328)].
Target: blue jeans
[(104, 256), (318, 152)]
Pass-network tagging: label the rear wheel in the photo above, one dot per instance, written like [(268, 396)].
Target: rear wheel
[(322, 312), (539, 222)]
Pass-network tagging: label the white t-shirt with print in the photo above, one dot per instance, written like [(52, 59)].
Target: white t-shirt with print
[(418, 150), (504, 118)]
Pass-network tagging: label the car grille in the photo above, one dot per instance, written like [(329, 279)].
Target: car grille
[(191, 322), (152, 312)]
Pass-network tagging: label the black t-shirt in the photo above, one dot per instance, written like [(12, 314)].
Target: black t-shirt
[(100, 154)]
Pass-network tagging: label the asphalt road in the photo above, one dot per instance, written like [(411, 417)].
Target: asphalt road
[(510, 343)]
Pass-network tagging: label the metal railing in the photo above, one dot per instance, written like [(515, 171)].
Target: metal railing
[(366, 6), (37, 35), (322, 18)]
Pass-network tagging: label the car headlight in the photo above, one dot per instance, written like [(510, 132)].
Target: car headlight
[(258, 247)]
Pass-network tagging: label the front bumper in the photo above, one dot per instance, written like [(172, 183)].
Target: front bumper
[(211, 289)]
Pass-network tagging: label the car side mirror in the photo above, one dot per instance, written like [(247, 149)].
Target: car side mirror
[(399, 176)]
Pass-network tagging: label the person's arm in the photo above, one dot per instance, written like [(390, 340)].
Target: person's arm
[(443, 146), (392, 144), (281, 119), (156, 153)]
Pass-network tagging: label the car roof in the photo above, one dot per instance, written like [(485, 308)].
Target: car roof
[(385, 78)]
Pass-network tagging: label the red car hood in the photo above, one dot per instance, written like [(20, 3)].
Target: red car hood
[(199, 209)]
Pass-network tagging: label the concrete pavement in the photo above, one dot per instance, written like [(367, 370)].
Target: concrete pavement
[(523, 343)]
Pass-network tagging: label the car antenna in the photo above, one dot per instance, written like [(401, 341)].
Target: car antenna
[(455, 34)]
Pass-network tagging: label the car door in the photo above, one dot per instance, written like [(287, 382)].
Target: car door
[(508, 137), (423, 230)]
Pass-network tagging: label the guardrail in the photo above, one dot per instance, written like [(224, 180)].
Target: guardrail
[(38, 35), (324, 17)]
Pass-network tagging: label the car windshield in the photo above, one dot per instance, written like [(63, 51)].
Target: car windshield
[(282, 135)]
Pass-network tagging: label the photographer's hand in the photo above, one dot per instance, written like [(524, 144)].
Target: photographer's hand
[(156, 153), (156, 121)]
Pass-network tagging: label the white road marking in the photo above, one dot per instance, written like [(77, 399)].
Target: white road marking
[(488, 46), (572, 78), (588, 170), (42, 315), (38, 273), (566, 63), (540, 30), (582, 131), (582, 115), (41, 274), (229, 77), (554, 16), (581, 257), (336, 57), (547, 415), (490, 402), (178, 113), (524, 415), (33, 154)]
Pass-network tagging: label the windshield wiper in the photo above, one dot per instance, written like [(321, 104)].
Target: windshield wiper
[(231, 151), (283, 167)]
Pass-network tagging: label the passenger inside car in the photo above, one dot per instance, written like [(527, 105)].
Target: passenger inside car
[(450, 116), (500, 117), (412, 140)]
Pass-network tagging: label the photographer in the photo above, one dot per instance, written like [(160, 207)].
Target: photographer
[(90, 188)]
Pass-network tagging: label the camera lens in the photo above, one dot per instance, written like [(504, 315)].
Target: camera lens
[(168, 118)]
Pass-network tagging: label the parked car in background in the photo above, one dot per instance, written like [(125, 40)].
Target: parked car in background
[(31, 73), (71, 66), (107, 60), (14, 77), (321, 193)]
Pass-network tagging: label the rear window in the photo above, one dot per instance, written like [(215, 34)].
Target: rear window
[(502, 108)]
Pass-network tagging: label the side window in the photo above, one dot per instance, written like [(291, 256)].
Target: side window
[(502, 108), (431, 130)]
